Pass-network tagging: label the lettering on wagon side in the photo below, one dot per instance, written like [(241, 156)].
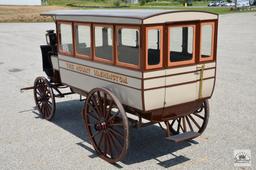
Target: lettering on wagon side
[(97, 73)]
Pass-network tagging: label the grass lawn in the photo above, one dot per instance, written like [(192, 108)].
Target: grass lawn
[(160, 4)]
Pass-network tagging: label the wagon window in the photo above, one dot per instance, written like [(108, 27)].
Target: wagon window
[(181, 45), (154, 47), (103, 42), (207, 34), (66, 40), (128, 46), (83, 40)]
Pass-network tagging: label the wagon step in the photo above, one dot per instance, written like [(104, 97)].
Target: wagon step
[(183, 136)]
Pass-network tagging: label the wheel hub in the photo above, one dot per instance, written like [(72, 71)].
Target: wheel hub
[(101, 126)]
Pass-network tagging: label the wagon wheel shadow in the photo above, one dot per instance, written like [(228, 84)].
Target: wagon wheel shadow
[(144, 144)]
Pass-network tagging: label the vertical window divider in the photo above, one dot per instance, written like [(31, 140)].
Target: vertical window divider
[(92, 42), (160, 65), (165, 46), (143, 48), (198, 43), (115, 44), (73, 39), (212, 57)]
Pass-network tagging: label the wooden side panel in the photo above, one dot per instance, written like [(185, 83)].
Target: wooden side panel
[(179, 85), (127, 88)]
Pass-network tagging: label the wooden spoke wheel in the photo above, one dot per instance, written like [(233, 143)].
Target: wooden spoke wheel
[(44, 98), (194, 122), (106, 124)]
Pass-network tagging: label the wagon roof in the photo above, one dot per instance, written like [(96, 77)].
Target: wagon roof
[(131, 15)]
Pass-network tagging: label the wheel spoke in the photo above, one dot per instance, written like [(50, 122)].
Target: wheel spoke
[(110, 146), (100, 102), (194, 121), (109, 109), (96, 106), (117, 124), (184, 124), (92, 116), (178, 127), (105, 145), (196, 114), (47, 111), (189, 124), (115, 132), (43, 110), (96, 134), (173, 121), (114, 137), (113, 116), (94, 111), (100, 141), (104, 105)]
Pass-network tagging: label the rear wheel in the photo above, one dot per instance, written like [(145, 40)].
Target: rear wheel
[(106, 124), (44, 98), (194, 122)]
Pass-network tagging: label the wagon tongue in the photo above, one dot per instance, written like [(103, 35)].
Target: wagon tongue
[(183, 136)]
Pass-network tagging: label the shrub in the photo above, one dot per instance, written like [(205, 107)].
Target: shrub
[(117, 3)]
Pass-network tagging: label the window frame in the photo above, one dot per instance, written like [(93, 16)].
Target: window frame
[(187, 62), (99, 59), (211, 57), (160, 65), (59, 22), (77, 54), (123, 64)]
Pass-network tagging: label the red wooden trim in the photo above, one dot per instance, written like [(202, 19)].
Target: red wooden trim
[(160, 65), (59, 40), (188, 62), (116, 45), (78, 55), (211, 57), (99, 59), (176, 74), (178, 84)]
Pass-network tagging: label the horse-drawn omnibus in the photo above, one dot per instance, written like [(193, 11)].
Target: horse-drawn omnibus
[(157, 65)]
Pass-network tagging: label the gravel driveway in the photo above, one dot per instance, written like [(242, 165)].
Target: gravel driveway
[(28, 142)]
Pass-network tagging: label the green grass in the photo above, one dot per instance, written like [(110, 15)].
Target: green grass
[(84, 3), (160, 4)]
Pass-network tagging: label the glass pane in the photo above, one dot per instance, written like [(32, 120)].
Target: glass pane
[(66, 38), (206, 40), (153, 44), (128, 46), (83, 40), (181, 43), (103, 42)]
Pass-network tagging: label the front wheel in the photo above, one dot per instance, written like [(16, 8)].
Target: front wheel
[(44, 98), (106, 124)]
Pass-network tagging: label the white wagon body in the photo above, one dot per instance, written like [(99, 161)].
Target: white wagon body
[(143, 89), (157, 65)]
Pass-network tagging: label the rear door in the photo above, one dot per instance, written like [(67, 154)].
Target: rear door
[(207, 58), (182, 74)]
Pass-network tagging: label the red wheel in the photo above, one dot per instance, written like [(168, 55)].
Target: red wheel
[(44, 98), (106, 124), (194, 122)]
